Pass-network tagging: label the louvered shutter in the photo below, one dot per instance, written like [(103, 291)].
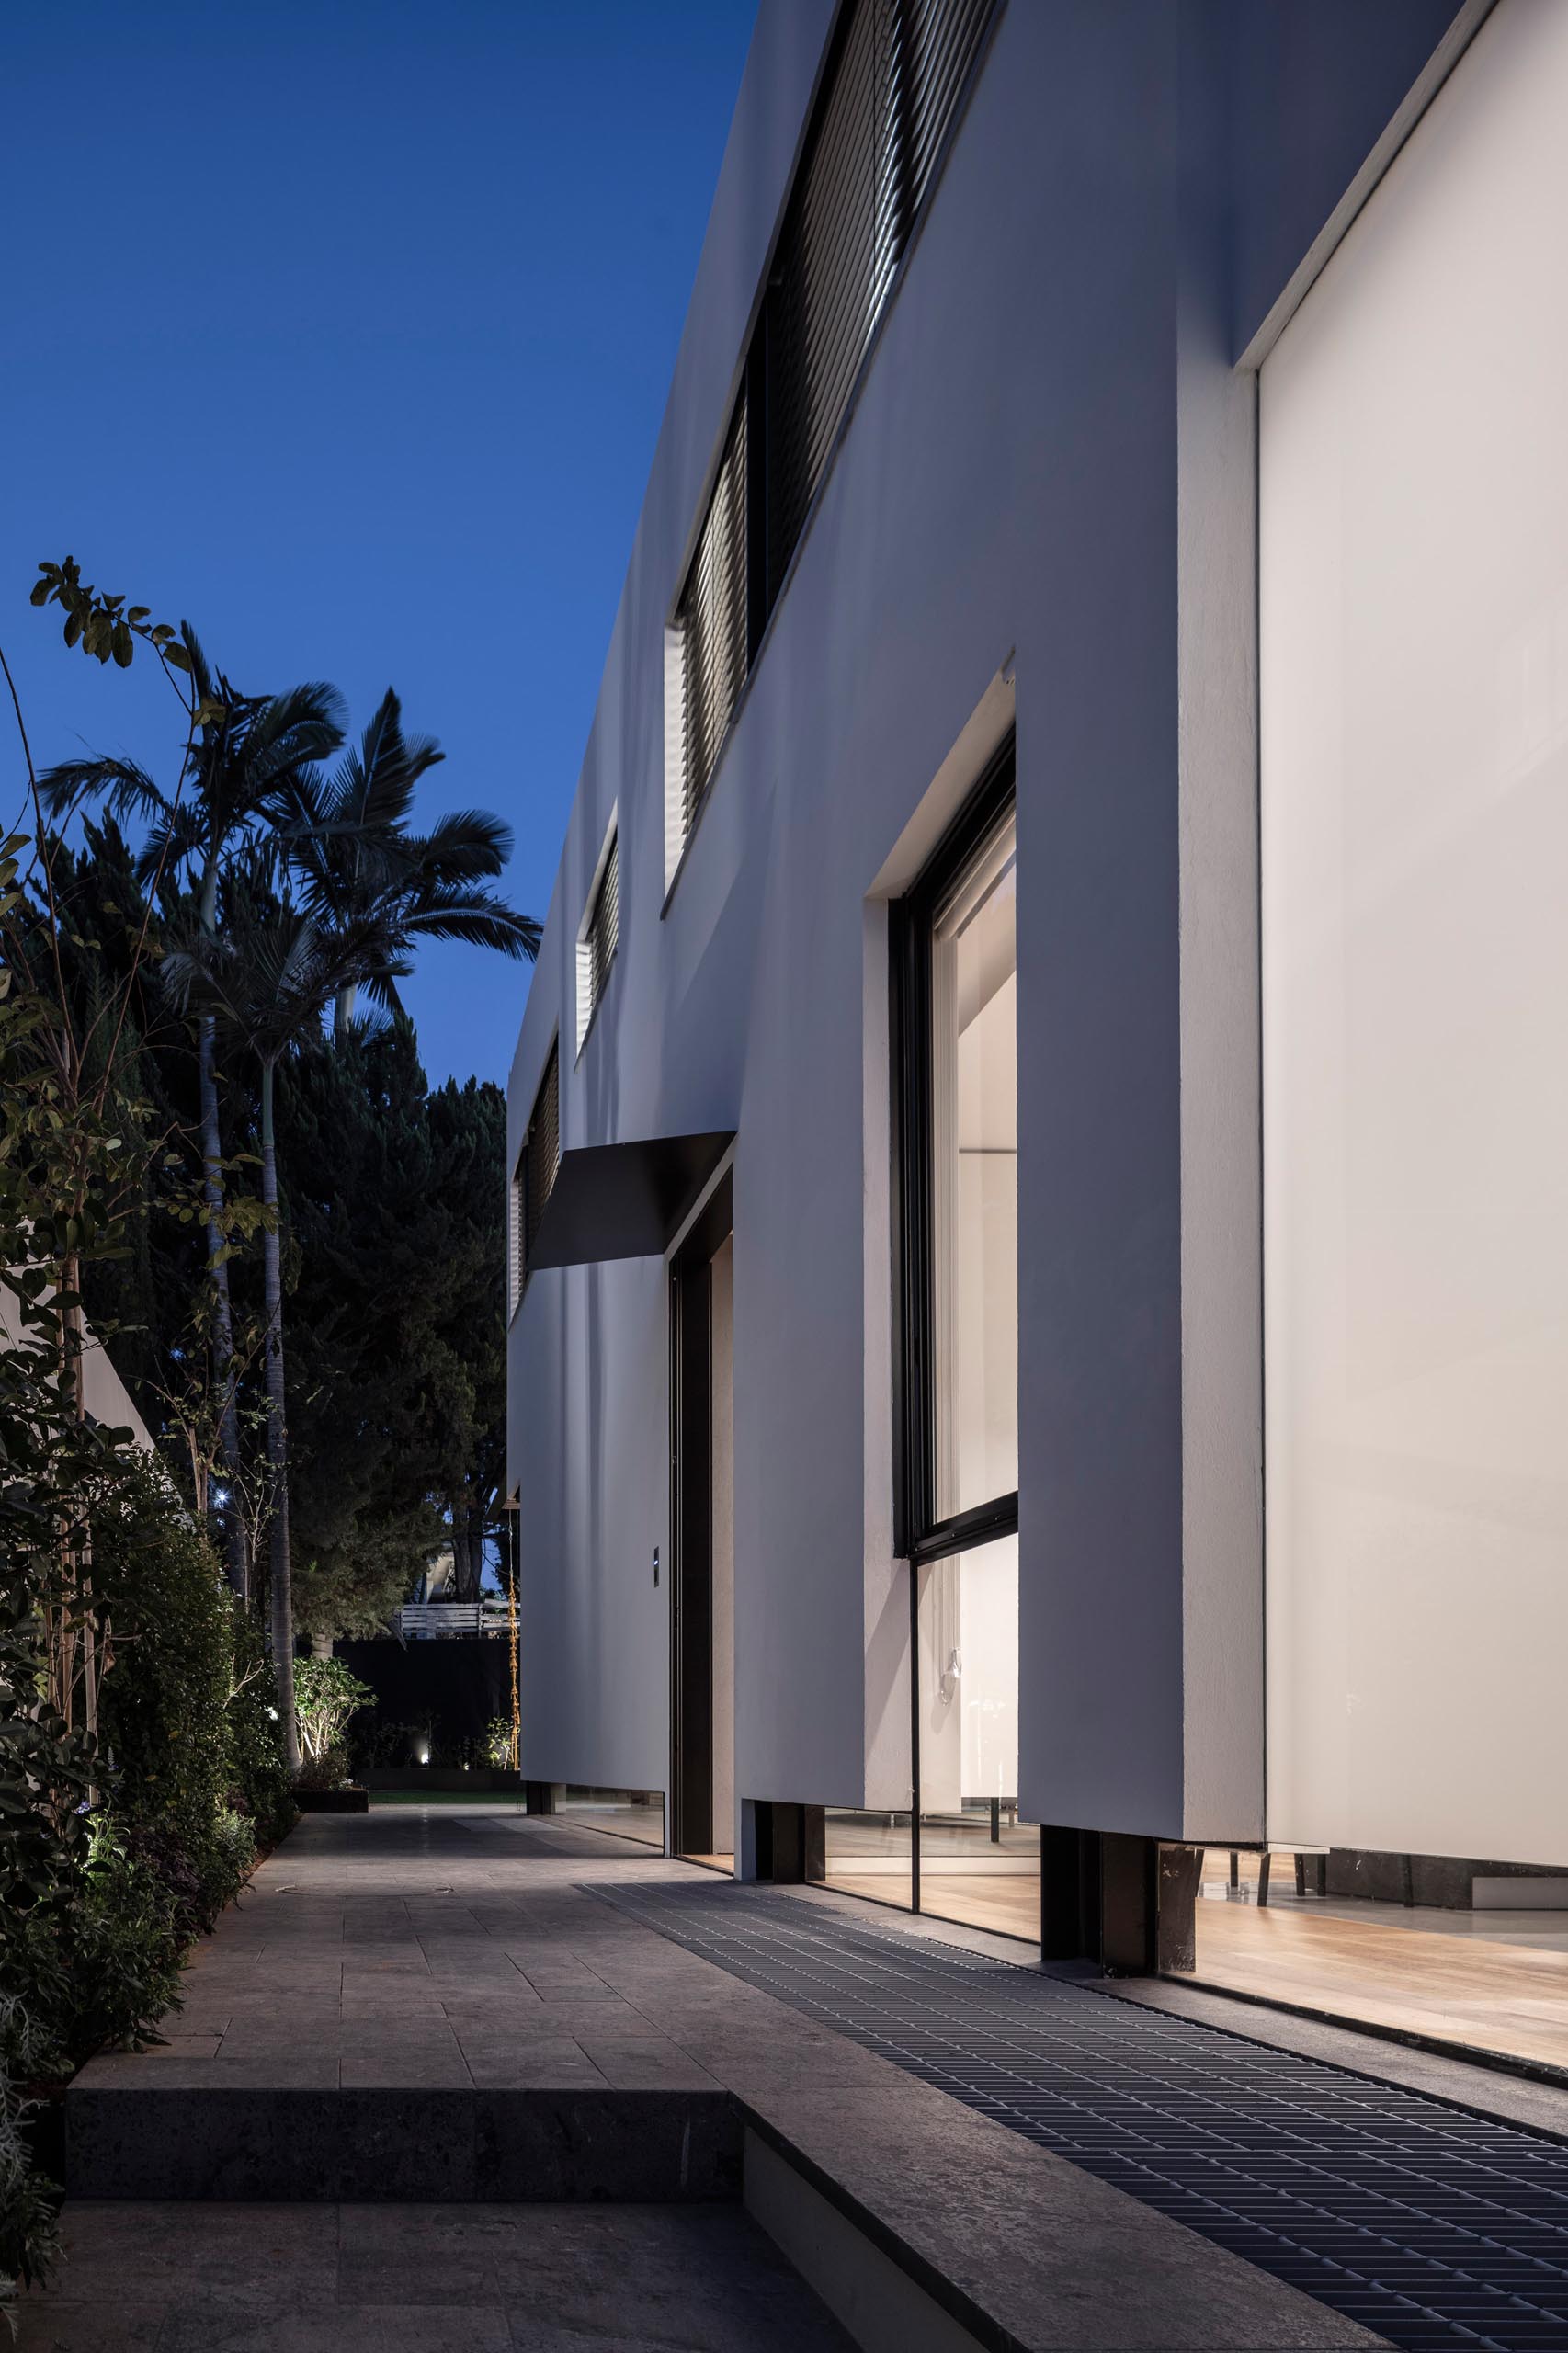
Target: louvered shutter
[(889, 96), (834, 258), (715, 649), (889, 101), (541, 1152), (602, 927), (515, 1235), (941, 40)]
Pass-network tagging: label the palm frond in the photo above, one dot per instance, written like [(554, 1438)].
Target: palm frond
[(201, 678), (172, 839), (465, 846), (126, 789), (477, 917)]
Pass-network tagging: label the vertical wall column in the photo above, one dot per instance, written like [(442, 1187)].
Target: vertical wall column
[(1122, 1902), (1220, 1118)]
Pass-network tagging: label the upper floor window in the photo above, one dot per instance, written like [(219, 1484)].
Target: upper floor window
[(892, 88), (534, 1175), (597, 940)]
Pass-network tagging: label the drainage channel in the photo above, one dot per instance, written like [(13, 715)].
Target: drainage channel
[(1432, 2226)]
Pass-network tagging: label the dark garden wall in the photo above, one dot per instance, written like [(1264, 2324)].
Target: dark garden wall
[(440, 1694)]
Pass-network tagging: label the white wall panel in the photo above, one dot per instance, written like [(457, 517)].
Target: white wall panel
[(1414, 485)]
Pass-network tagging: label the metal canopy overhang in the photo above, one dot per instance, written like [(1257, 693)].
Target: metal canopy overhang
[(624, 1200)]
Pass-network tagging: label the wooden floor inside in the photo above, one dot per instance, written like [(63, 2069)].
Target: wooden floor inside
[(1484, 1993), (1490, 1996), (1007, 1904)]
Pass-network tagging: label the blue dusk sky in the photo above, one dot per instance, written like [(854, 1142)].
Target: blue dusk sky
[(343, 328)]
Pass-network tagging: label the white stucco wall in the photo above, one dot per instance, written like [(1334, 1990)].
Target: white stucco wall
[(1005, 495), (1415, 644), (1042, 507), (107, 1398)]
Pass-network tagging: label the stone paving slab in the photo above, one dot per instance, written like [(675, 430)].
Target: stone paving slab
[(438, 2001), (146, 2277)]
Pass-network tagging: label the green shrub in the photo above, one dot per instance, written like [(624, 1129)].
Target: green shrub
[(163, 1711), (28, 2201), (235, 1842), (258, 1775), (325, 1696), (329, 1769), (101, 1961)]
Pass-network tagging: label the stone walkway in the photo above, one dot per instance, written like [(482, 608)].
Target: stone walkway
[(430, 2011)]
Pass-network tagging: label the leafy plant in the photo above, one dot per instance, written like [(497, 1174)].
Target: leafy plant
[(105, 627), (120, 1926), (325, 1696), (329, 1770), (260, 1787), (29, 2200), (164, 1708)]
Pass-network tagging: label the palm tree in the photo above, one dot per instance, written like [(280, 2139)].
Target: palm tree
[(357, 862), (264, 976), (242, 757)]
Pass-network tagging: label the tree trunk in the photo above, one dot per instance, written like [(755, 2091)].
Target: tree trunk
[(465, 1585), (321, 1644), (235, 1551), (343, 1011), (278, 1439)]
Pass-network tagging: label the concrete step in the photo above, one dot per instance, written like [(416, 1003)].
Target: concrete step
[(293, 2146)]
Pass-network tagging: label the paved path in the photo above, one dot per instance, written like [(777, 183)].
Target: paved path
[(459, 1950), (425, 1966)]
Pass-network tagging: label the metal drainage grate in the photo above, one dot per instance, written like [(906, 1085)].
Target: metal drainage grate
[(1433, 2227)]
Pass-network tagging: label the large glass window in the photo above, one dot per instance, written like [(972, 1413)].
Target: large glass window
[(638, 1814), (869, 1854), (956, 983), (971, 1857), (978, 1861)]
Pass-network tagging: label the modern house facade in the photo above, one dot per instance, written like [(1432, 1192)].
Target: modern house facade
[(1039, 1319)]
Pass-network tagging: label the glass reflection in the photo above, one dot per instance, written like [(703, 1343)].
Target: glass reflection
[(871, 1854), (974, 1192), (978, 1862)]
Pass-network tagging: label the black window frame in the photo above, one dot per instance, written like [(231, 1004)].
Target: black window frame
[(919, 1535)]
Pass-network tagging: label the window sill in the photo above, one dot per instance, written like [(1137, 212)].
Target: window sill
[(967, 1530)]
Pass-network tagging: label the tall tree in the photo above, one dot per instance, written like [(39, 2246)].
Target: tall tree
[(394, 1201), (356, 860), (266, 975), (241, 756)]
